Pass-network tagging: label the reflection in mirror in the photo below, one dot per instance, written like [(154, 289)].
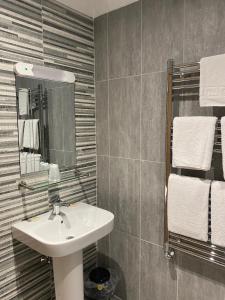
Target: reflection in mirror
[(46, 125)]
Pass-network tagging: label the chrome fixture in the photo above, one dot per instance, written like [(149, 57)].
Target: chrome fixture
[(56, 206)]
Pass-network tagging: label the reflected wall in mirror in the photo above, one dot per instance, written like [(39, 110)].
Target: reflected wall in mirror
[(46, 124)]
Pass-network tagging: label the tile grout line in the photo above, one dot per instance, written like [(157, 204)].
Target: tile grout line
[(108, 113), (151, 243), (140, 181), (134, 159), (132, 76)]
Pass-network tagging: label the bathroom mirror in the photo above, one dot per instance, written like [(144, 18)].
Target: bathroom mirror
[(46, 118)]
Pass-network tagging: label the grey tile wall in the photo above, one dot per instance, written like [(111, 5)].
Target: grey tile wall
[(162, 33), (124, 117), (152, 201), (158, 276), (153, 117), (124, 41), (41, 32), (199, 280), (101, 48), (102, 126), (103, 181), (124, 249), (204, 29), (136, 41), (124, 194)]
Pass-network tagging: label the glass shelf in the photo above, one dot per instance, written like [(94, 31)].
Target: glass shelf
[(39, 181)]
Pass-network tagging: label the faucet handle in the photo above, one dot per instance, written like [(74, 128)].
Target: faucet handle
[(55, 199)]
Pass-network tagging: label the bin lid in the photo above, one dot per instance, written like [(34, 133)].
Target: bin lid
[(99, 275)]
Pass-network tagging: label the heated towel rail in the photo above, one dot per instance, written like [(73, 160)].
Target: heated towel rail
[(183, 99)]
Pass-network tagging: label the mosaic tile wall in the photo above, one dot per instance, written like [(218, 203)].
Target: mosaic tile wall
[(41, 32)]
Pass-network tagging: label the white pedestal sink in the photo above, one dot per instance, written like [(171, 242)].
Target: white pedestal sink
[(63, 240)]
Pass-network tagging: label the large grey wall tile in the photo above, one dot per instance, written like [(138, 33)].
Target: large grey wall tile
[(101, 47), (152, 201), (102, 126), (204, 28), (199, 280), (103, 181), (124, 33), (103, 252), (125, 254), (124, 194), (158, 275), (162, 33), (124, 116), (69, 158), (153, 117), (57, 157)]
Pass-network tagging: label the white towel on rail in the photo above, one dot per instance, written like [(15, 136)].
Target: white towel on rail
[(21, 131), (212, 81), (23, 102), (223, 143), (31, 134), (193, 140), (188, 206), (218, 213)]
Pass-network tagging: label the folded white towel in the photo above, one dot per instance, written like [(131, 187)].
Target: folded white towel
[(23, 102), (218, 213), (223, 143), (193, 140), (212, 81), (188, 206), (21, 131), (31, 134)]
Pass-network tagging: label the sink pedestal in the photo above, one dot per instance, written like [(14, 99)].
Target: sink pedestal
[(68, 276)]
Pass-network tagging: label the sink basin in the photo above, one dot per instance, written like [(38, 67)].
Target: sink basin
[(83, 225), (63, 238)]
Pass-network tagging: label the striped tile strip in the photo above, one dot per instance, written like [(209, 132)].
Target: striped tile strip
[(41, 32)]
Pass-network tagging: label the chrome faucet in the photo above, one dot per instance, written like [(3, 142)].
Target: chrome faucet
[(56, 205)]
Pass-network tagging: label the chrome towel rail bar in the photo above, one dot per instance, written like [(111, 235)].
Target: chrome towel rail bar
[(183, 85)]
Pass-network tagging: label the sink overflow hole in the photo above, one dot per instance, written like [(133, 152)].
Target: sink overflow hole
[(70, 237)]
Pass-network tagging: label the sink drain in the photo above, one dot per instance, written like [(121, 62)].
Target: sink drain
[(70, 237)]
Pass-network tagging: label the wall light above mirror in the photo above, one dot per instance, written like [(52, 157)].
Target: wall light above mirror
[(46, 120)]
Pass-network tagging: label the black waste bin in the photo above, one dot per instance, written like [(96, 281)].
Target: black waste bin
[(100, 283)]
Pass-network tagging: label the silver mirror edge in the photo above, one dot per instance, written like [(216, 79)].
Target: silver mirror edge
[(42, 72)]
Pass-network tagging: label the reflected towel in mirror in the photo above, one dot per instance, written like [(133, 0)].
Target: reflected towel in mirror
[(21, 132), (31, 134)]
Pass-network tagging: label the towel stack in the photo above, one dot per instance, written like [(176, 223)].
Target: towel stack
[(193, 140), (188, 197)]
